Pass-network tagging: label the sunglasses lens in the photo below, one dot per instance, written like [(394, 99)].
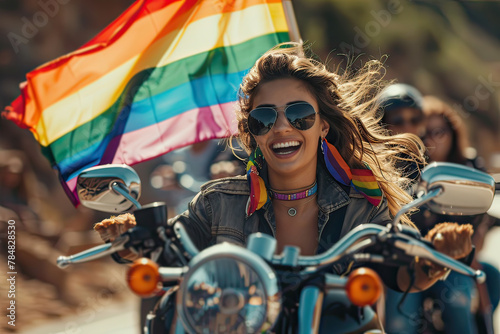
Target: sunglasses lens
[(301, 115), (261, 120)]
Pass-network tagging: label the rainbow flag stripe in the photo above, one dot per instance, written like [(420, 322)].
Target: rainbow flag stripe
[(335, 164), (163, 75), (362, 180), (365, 182)]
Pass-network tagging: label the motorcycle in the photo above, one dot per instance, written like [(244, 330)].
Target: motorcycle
[(231, 289)]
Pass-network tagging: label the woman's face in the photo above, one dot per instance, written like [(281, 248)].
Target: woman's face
[(299, 153), (438, 138)]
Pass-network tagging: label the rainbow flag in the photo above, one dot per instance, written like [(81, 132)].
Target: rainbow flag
[(163, 75)]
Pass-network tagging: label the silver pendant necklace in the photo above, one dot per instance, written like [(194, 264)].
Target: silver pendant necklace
[(292, 211)]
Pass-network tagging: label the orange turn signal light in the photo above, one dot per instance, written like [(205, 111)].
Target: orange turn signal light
[(363, 287), (143, 277)]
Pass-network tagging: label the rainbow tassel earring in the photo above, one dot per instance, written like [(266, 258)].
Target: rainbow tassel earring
[(258, 192)]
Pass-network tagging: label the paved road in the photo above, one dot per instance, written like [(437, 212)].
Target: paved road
[(122, 318), (113, 318)]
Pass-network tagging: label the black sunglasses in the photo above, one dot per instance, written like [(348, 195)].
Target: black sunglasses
[(300, 115)]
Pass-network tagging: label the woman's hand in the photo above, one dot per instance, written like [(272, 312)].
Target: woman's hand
[(111, 228), (452, 239)]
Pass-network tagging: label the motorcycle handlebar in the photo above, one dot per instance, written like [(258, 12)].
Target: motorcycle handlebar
[(411, 246), (93, 253)]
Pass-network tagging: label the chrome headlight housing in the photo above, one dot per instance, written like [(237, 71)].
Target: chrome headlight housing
[(228, 289)]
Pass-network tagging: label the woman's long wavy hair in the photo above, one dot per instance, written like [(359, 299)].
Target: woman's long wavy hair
[(348, 103)]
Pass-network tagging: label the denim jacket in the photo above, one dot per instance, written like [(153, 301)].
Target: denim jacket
[(218, 211)]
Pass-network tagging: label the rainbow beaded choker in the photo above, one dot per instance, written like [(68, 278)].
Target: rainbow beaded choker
[(294, 196)]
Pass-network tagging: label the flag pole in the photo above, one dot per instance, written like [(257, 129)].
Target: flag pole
[(291, 21)]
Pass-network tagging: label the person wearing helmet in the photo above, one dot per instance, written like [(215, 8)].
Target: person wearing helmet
[(402, 108)]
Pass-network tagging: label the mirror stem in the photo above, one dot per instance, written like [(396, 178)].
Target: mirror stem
[(415, 204), (122, 190)]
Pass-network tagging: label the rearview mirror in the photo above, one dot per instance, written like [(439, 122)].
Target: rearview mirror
[(109, 188), (466, 191)]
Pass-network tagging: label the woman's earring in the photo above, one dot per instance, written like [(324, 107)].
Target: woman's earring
[(259, 157)]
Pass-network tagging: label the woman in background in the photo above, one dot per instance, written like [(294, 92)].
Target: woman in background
[(446, 136)]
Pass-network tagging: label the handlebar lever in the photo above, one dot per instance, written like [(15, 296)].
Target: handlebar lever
[(136, 236), (420, 249), (94, 253)]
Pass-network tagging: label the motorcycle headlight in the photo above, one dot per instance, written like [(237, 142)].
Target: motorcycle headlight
[(228, 289)]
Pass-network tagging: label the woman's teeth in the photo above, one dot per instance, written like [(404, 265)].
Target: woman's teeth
[(286, 144), (286, 147)]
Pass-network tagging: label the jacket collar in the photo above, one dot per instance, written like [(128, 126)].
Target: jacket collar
[(331, 196)]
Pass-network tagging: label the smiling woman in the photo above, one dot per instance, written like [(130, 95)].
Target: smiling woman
[(290, 147), (319, 164), (341, 114)]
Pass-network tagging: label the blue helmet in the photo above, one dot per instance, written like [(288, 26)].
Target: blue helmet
[(399, 96)]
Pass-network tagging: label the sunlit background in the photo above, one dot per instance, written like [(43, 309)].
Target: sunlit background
[(449, 49)]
